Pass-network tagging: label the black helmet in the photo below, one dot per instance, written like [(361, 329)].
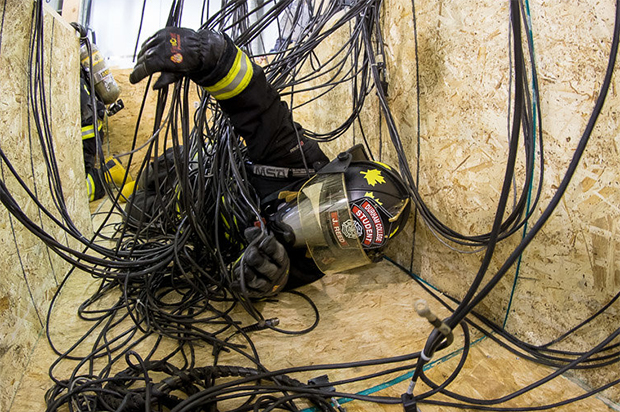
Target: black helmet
[(379, 202), (352, 206)]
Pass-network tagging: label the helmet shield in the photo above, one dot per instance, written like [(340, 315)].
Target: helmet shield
[(327, 226)]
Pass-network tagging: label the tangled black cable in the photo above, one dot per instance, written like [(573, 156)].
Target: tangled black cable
[(164, 278), (169, 273)]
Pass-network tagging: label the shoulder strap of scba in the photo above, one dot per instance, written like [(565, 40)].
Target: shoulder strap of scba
[(338, 165), (293, 175)]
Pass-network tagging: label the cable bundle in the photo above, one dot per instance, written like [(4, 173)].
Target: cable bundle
[(164, 277)]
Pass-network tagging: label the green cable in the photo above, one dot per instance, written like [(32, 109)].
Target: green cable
[(534, 121)]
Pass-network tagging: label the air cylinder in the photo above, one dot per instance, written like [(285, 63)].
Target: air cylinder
[(105, 86)]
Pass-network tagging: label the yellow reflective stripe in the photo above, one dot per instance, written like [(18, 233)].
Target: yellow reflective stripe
[(228, 79), (383, 164), (394, 232), (96, 59), (177, 206), (90, 186), (89, 131), (225, 221), (236, 80)]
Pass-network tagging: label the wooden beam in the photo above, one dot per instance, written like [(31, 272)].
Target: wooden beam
[(71, 10)]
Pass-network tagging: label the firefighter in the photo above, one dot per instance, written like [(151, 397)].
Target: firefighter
[(93, 111), (338, 219)]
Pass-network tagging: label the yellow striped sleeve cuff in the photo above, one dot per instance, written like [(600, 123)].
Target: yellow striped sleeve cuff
[(90, 186), (89, 131), (236, 80)]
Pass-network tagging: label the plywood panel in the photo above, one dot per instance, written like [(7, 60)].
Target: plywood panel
[(570, 270), (71, 10), (31, 272)]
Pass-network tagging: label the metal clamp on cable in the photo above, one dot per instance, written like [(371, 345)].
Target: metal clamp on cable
[(424, 311), (262, 325), (409, 403), (323, 381)]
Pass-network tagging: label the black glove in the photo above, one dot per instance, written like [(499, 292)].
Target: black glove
[(264, 266), (178, 52)]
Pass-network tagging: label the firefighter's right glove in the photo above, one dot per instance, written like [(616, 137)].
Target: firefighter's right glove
[(178, 52), (262, 270)]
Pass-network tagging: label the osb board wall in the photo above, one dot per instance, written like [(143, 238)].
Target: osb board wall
[(463, 132), (572, 268), (30, 271), (580, 267), (327, 108)]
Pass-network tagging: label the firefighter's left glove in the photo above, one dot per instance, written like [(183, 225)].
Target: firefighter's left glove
[(178, 52), (262, 270)]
